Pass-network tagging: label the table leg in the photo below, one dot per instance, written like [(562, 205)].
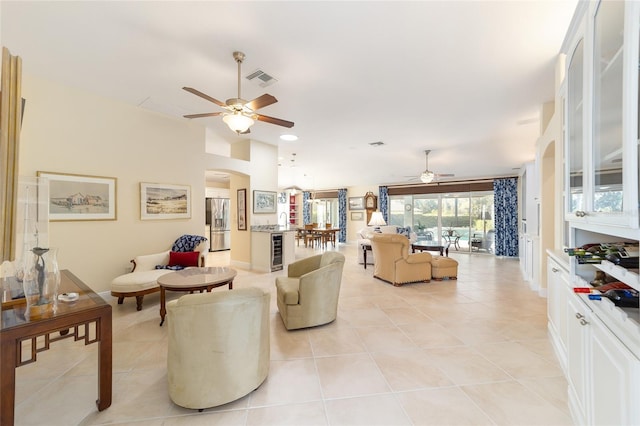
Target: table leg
[(105, 363), (364, 254), (231, 285), (8, 356), (163, 308)]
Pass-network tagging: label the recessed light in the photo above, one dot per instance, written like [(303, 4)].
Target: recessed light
[(289, 138)]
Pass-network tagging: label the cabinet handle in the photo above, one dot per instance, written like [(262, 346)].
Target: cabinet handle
[(579, 315), (583, 322)]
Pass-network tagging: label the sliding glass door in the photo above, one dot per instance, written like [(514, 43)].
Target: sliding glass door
[(465, 219)]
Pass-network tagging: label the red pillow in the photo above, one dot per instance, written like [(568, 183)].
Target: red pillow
[(188, 258)]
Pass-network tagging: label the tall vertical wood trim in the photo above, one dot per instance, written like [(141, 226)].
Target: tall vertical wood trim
[(10, 121)]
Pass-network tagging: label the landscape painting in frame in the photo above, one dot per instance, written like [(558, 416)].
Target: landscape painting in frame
[(80, 197), (165, 201)]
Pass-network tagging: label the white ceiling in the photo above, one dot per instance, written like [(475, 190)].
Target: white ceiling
[(465, 79)]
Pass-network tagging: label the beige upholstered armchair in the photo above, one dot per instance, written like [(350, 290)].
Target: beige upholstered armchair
[(218, 346), (308, 295), (394, 264)]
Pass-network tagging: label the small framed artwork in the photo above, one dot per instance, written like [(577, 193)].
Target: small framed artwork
[(80, 197), (164, 201), (264, 202), (356, 203), (242, 209), (357, 216)]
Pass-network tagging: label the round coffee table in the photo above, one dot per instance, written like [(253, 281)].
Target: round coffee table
[(194, 279)]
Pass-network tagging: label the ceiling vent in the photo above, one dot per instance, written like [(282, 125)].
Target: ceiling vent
[(263, 79)]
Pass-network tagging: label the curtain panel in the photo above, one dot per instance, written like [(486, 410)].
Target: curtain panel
[(505, 196), (306, 208), (383, 192), (342, 215)]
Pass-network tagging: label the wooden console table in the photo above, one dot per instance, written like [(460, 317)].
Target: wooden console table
[(72, 319)]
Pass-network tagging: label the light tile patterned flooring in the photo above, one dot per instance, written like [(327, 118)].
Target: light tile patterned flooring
[(468, 352)]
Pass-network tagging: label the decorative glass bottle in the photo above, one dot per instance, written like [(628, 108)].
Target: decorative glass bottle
[(41, 282)]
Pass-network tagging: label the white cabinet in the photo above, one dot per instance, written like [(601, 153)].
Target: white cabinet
[(602, 117), (557, 294), (578, 317), (601, 341), (614, 372), (602, 372)]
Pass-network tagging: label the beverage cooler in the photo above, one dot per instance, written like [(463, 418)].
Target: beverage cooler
[(217, 215)]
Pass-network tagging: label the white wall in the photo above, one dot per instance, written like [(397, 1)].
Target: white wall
[(70, 131)]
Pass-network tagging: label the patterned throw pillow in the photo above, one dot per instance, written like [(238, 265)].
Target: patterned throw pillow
[(406, 231)]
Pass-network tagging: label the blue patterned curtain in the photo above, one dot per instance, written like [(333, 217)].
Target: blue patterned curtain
[(384, 202), (505, 197), (342, 215), (306, 208)]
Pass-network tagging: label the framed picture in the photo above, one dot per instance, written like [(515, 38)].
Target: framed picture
[(164, 201), (356, 203), (357, 215), (242, 209), (80, 197), (264, 202)]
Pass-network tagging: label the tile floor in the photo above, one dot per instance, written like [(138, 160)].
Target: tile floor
[(468, 352)]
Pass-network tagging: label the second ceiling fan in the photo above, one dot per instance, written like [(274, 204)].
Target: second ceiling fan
[(241, 113), (428, 176)]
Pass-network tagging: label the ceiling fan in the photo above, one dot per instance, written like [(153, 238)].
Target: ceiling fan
[(428, 176), (241, 114)]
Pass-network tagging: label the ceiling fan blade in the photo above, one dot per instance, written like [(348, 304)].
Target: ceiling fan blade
[(204, 96), (272, 120), (445, 174), (261, 102), (205, 114)]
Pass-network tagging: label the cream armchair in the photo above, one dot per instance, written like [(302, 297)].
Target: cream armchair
[(218, 346), (308, 295), (394, 264)]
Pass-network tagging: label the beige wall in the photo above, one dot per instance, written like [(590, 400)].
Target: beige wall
[(70, 131), (354, 226)]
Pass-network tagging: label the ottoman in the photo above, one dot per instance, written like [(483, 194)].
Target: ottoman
[(443, 267)]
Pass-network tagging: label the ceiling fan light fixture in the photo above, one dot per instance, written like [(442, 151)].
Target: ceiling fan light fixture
[(427, 176), (238, 122)]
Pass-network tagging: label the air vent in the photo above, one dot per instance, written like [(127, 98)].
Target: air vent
[(263, 79), (379, 143)]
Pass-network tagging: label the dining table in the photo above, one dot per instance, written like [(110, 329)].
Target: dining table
[(325, 235)]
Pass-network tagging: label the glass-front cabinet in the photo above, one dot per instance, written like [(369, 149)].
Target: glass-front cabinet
[(574, 130), (602, 118)]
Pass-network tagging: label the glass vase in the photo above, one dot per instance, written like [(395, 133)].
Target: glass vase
[(41, 282)]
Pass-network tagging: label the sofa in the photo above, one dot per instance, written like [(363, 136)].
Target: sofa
[(143, 278), (365, 233)]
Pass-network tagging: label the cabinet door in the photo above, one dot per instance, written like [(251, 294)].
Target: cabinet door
[(614, 371), (575, 120), (577, 357), (607, 142), (558, 287)]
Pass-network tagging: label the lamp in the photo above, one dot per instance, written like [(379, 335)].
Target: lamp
[(427, 176), (238, 122), (377, 220)]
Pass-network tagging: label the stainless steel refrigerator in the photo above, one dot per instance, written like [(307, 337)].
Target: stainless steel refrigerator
[(218, 220)]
